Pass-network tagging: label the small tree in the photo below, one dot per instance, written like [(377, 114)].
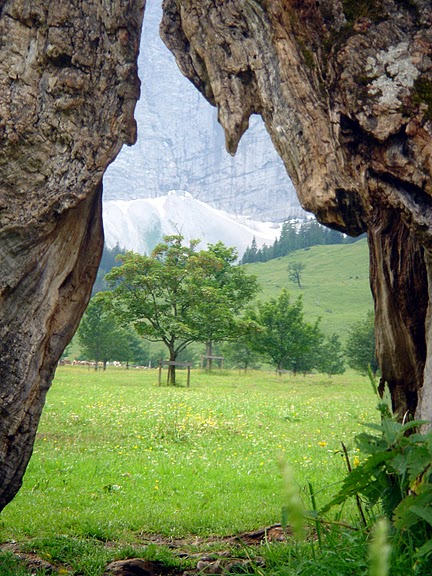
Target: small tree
[(250, 254), (99, 335), (240, 354), (283, 337), (178, 296), (135, 349), (331, 359), (295, 272), (360, 346)]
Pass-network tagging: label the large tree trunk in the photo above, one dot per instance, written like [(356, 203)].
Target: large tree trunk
[(399, 284), (68, 88), (345, 91), (39, 316)]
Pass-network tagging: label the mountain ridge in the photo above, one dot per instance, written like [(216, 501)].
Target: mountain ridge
[(173, 153)]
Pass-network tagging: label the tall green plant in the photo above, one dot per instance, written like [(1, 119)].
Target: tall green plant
[(395, 476)]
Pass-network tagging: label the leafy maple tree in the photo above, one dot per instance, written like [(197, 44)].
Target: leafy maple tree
[(179, 295)]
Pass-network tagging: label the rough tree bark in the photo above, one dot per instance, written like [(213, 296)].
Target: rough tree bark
[(68, 88), (345, 90)]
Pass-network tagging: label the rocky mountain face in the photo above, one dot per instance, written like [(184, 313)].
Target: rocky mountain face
[(181, 146), (345, 91)]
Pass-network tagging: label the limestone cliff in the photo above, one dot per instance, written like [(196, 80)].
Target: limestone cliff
[(68, 86), (174, 153), (345, 90)]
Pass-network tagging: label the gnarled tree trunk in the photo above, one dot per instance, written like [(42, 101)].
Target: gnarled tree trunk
[(345, 91), (68, 88)]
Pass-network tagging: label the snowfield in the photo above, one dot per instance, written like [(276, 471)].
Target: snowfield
[(140, 224)]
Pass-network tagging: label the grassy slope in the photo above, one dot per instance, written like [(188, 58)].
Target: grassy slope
[(335, 283)]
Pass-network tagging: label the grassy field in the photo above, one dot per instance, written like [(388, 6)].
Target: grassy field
[(335, 283), (117, 457)]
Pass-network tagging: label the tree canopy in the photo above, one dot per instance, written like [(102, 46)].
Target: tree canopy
[(331, 358), (178, 295), (282, 336), (102, 339), (240, 354), (294, 235), (360, 345), (107, 262)]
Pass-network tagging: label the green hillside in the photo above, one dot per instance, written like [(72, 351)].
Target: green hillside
[(335, 283)]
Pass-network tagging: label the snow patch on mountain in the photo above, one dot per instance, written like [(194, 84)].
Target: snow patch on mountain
[(140, 224)]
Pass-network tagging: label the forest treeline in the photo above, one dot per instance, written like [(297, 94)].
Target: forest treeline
[(108, 261), (295, 235)]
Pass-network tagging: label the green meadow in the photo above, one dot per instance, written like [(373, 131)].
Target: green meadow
[(118, 458), (334, 286), (120, 463)]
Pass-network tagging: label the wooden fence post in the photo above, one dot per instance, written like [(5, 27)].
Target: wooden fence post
[(169, 364)]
